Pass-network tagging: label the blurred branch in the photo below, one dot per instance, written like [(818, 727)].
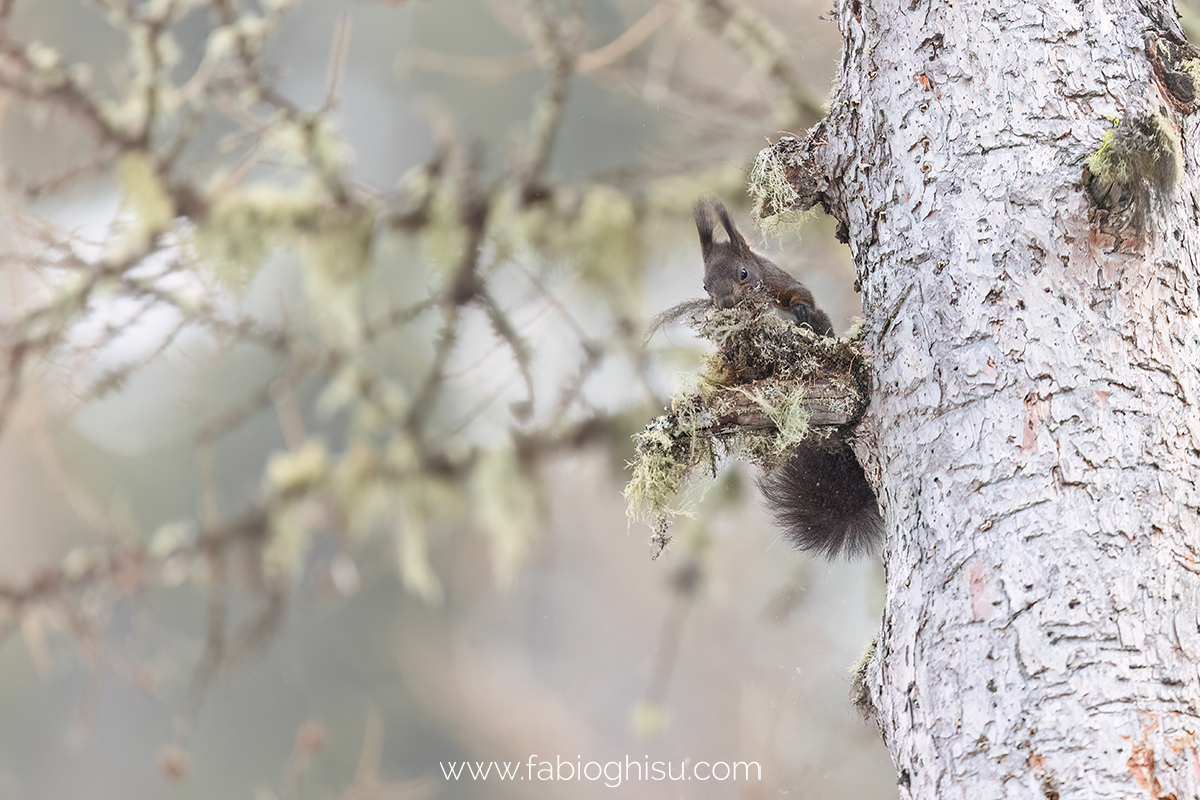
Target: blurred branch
[(761, 45), (501, 68), (553, 43), (686, 583), (337, 61), (646, 26), (48, 81), (127, 563), (478, 68)]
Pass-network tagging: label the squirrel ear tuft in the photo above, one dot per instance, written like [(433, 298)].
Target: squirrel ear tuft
[(702, 213), (735, 236)]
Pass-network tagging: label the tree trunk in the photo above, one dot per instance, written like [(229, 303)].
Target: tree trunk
[(1035, 346)]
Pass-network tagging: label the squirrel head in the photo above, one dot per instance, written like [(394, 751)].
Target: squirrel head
[(732, 271)]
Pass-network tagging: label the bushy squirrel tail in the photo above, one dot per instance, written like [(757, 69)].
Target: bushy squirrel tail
[(821, 499)]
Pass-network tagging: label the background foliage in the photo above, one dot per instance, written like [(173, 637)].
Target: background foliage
[(323, 347)]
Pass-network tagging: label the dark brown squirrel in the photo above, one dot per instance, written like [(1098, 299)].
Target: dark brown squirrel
[(733, 272), (820, 495)]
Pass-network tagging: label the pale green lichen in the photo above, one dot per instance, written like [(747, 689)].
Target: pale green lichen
[(860, 689), (788, 413), (245, 225), (1140, 151), (294, 472), (81, 561), (1105, 162), (657, 472), (42, 57), (607, 244), (666, 453), (170, 538), (1191, 68), (774, 199), (416, 502), (149, 205), (412, 554), (649, 719), (290, 476), (222, 43), (443, 236), (598, 229), (80, 76), (289, 542), (169, 51), (337, 242), (507, 508), (67, 299)]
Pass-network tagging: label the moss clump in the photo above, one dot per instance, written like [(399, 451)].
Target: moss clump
[(246, 224), (665, 452), (786, 182), (145, 197), (758, 397), (1191, 68), (860, 691), (774, 199), (1140, 156), (754, 343), (1177, 70), (788, 412)]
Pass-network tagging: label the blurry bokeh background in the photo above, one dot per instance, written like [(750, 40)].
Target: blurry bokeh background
[(235, 562)]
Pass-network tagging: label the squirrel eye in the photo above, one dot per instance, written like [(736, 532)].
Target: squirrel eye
[(745, 274)]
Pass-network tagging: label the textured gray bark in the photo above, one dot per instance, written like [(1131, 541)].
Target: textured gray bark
[(1035, 396)]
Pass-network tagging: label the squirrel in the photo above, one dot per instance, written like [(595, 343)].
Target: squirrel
[(819, 495), (733, 272)]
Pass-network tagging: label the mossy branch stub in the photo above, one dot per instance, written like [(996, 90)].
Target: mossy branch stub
[(769, 386)]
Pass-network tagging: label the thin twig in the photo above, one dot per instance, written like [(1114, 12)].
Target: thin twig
[(337, 61)]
